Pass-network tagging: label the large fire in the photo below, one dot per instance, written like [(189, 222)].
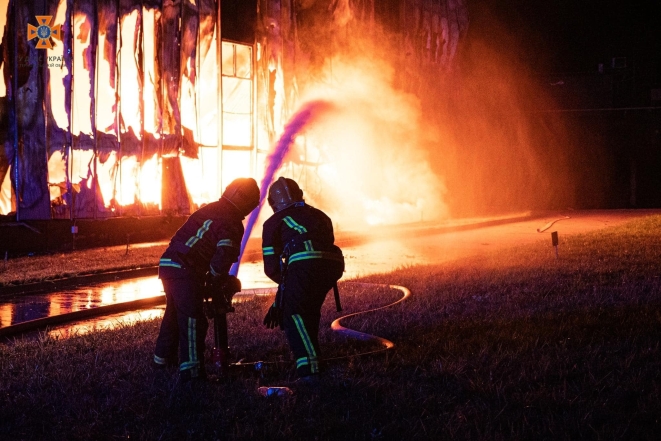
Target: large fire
[(129, 103), (148, 101)]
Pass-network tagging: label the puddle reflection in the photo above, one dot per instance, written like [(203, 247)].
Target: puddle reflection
[(24, 307), (369, 258)]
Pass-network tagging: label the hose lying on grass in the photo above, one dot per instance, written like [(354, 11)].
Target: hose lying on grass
[(387, 344), (550, 224), (337, 327)]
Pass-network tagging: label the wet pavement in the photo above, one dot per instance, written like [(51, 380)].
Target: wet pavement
[(379, 254), (19, 308)]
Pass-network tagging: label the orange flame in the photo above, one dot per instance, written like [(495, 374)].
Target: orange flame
[(58, 72), (134, 103), (57, 175), (129, 79), (4, 5), (149, 183), (150, 19), (81, 102), (105, 93), (5, 193)]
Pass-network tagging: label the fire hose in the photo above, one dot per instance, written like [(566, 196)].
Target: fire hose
[(337, 327), (220, 353)]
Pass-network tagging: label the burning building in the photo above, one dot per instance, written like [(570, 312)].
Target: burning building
[(116, 108)]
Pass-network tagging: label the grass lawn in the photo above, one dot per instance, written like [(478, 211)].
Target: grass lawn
[(507, 345), (39, 268)]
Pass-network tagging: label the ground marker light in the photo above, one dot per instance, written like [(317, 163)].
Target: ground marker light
[(554, 241)]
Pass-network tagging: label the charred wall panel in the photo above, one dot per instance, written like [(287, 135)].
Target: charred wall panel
[(142, 88), (131, 109), (6, 121), (33, 195), (57, 81), (106, 91), (86, 195), (152, 78), (189, 40), (169, 48)]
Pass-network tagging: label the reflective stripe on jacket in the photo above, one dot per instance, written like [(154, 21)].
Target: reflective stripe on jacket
[(209, 240), (301, 232)]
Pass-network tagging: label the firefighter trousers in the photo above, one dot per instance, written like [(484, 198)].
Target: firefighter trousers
[(184, 326), (306, 286)]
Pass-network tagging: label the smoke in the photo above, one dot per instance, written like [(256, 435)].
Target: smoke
[(409, 141), (371, 150), (500, 149)]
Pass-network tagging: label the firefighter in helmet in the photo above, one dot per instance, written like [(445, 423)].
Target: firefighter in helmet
[(299, 255), (200, 252)]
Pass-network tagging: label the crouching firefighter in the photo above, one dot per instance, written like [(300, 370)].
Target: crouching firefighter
[(200, 255), (300, 255)]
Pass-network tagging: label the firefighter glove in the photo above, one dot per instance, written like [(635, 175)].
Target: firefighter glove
[(273, 317), (230, 285), (224, 283)]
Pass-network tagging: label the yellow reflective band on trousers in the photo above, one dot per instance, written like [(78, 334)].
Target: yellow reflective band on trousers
[(268, 251), (303, 361), (192, 346), (187, 365), (291, 223), (158, 360), (309, 348)]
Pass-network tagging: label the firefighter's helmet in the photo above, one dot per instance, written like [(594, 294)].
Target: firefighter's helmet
[(243, 193), (284, 193)]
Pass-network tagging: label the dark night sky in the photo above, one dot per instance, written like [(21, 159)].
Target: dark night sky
[(574, 35), (612, 157)]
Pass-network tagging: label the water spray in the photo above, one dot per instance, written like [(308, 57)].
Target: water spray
[(301, 119)]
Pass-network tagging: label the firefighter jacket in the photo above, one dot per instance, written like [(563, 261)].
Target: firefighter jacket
[(209, 241), (295, 234)]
